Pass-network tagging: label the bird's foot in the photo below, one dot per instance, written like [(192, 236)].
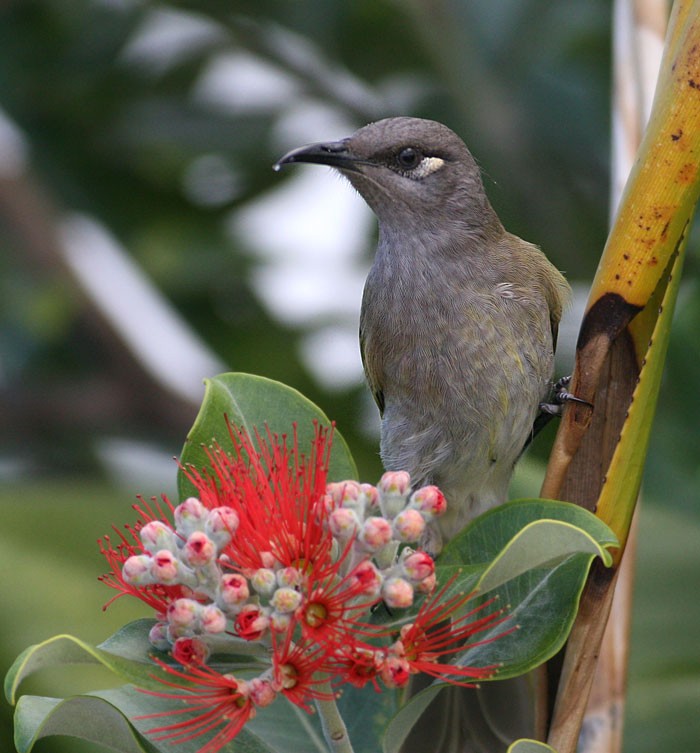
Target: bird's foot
[(561, 396)]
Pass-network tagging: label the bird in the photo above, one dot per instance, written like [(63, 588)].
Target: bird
[(458, 327), (459, 318)]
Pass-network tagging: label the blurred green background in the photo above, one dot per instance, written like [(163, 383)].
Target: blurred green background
[(147, 244)]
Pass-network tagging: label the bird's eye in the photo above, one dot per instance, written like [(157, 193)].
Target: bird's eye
[(408, 158)]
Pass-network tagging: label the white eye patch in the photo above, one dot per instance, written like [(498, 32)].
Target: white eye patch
[(426, 166)]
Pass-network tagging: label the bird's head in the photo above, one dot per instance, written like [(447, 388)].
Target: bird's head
[(413, 173)]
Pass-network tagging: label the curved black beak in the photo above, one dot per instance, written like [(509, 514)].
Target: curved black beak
[(332, 153)]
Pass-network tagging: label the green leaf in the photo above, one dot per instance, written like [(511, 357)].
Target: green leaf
[(255, 402), (133, 665), (540, 544), (85, 717), (533, 556), (121, 719)]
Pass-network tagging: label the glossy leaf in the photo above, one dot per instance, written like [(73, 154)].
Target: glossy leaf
[(83, 717), (534, 557), (254, 402)]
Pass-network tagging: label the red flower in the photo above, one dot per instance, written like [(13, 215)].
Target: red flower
[(251, 622), (220, 703), (359, 665), (435, 633), (298, 669), (278, 494), (156, 595)]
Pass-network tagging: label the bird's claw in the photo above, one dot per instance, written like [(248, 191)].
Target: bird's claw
[(561, 396)]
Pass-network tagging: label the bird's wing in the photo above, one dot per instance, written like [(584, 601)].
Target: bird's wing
[(370, 373), (558, 294)]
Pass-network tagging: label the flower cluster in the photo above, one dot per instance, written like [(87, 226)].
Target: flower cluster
[(270, 556)]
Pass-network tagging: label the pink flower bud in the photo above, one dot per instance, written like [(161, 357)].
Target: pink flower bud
[(267, 559), (395, 672), (397, 593), (375, 534), (393, 487), (221, 524), (251, 622), (343, 522), (370, 495), (183, 613), (200, 550), (261, 692), (289, 577), (343, 493), (429, 500), (408, 525), (155, 535), (190, 516), (137, 570), (264, 581), (158, 636), (164, 567), (233, 589), (427, 585), (394, 482), (417, 566), (368, 578), (285, 600), (190, 651), (212, 619)]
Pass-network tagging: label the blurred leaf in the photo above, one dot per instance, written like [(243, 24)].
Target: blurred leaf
[(254, 402)]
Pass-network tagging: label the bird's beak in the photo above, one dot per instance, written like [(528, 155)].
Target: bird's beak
[(331, 153)]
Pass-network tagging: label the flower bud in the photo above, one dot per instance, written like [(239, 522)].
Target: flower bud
[(183, 613), (408, 525), (261, 692), (429, 500), (427, 585), (395, 672), (343, 494), (417, 566), (375, 534), (233, 590), (137, 570), (165, 567), (158, 636), (343, 522), (212, 619), (289, 577), (370, 497), (368, 579), (397, 593), (190, 516), (200, 550), (264, 581), (285, 600), (156, 535), (221, 524), (393, 487)]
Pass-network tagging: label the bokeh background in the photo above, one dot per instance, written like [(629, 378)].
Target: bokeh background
[(147, 244)]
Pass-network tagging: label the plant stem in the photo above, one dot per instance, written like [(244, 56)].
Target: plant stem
[(334, 728)]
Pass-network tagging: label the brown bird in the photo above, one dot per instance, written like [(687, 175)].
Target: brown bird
[(459, 317)]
